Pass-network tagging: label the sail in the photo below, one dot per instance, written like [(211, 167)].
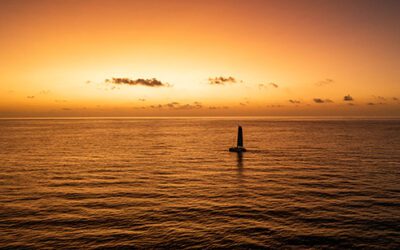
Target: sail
[(240, 137)]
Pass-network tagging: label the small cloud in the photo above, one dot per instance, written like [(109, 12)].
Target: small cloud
[(273, 84), (172, 104), (376, 103), (88, 82), (275, 106), (221, 80), (44, 92), (294, 101), (265, 85), (153, 82), (327, 81), (66, 109), (142, 99), (218, 107), (156, 106), (319, 100), (177, 105), (195, 105), (381, 98), (395, 99), (351, 104), (30, 97), (348, 98)]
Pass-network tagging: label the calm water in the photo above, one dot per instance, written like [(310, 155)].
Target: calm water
[(169, 183)]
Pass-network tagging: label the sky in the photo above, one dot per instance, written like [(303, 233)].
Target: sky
[(199, 58)]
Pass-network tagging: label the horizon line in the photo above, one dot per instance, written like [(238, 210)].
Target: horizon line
[(200, 116)]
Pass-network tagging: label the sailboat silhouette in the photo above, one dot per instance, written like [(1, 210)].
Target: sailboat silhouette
[(239, 148)]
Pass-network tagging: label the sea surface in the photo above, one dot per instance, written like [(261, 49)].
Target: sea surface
[(171, 183)]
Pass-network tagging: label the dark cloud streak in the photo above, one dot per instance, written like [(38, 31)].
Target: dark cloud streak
[(218, 107), (327, 81), (319, 100), (375, 103), (178, 106), (380, 98), (273, 84), (262, 85), (221, 80), (294, 101), (153, 82)]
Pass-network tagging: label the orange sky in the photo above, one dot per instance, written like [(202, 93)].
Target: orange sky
[(207, 58)]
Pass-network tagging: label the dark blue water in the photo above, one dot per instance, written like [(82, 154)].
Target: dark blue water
[(171, 183)]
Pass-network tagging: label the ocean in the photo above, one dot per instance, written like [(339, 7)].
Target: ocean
[(172, 183)]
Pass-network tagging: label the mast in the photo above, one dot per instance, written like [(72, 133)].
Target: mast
[(240, 137)]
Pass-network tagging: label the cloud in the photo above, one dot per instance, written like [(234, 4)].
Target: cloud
[(44, 92), (66, 109), (381, 98), (275, 106), (177, 105), (348, 98), (327, 81), (221, 80), (153, 82), (245, 102), (273, 84), (142, 107), (195, 105), (351, 104), (319, 100), (395, 99), (142, 99), (218, 107), (30, 97), (375, 103), (294, 101), (262, 85), (172, 104)]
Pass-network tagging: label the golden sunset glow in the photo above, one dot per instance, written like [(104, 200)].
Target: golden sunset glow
[(59, 58)]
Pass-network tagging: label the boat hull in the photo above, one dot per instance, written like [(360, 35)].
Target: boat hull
[(237, 149)]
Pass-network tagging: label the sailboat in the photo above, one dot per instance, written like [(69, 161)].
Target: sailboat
[(239, 148)]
